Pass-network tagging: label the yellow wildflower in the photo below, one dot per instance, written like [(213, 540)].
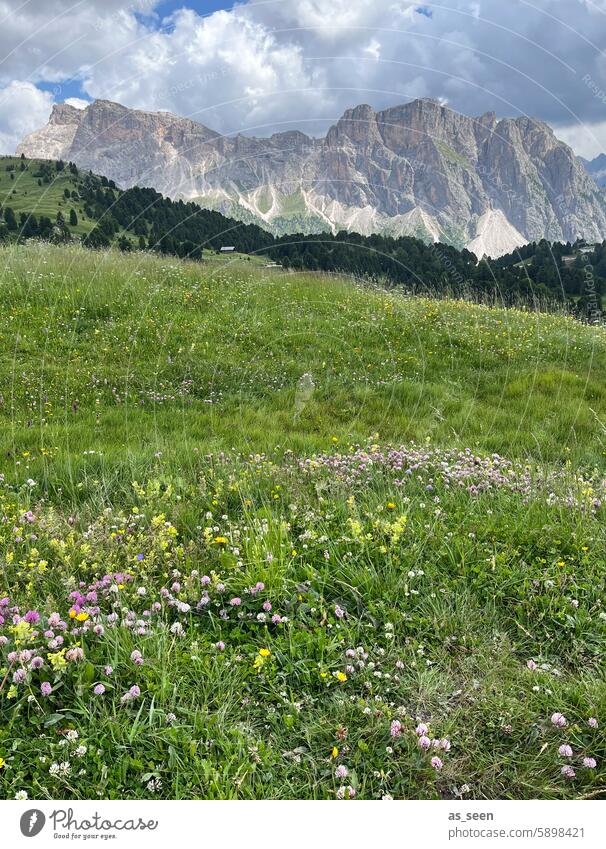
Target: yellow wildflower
[(341, 676)]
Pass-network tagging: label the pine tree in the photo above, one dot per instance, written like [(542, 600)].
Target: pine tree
[(73, 218)]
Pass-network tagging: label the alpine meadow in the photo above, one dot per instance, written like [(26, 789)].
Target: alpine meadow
[(303, 423), (277, 535)]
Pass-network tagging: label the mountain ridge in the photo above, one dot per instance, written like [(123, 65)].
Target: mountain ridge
[(417, 168)]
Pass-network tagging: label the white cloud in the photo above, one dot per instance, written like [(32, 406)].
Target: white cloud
[(23, 108), (587, 140), (77, 102), (264, 66)]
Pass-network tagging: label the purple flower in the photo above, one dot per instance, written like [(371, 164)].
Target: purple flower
[(108, 670), (339, 612), (36, 663), (421, 729), (220, 645), (135, 691), (396, 728), (45, 688), (341, 771), (589, 763), (568, 772), (559, 720), (267, 606), (565, 751), (170, 717), (437, 763), (32, 616), (136, 657), (531, 665), (592, 722), (424, 743), (99, 690), (140, 557), (235, 602)]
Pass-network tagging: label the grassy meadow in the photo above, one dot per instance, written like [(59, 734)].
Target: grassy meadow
[(272, 535)]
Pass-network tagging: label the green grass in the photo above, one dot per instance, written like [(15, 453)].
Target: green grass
[(23, 193), (166, 421), (131, 356)]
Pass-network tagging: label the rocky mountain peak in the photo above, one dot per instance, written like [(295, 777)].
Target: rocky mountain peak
[(416, 168)]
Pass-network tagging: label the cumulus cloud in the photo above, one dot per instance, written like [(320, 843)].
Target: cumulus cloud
[(23, 108), (264, 66)]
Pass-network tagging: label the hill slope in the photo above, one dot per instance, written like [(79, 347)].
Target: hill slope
[(210, 591), (39, 199), (130, 355)]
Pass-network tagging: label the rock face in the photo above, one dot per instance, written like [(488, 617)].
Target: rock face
[(418, 169)]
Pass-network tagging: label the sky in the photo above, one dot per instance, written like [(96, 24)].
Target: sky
[(263, 66)]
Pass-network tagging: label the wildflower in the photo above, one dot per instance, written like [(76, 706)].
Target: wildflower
[(559, 720), (531, 665), (424, 742), (264, 652), (395, 728), (21, 795), (346, 792), (177, 629), (108, 670), (267, 606), (341, 676), (568, 772), (80, 751), (170, 717), (592, 722), (565, 751), (341, 771), (339, 612), (421, 730), (136, 657), (220, 645), (335, 752), (74, 654), (437, 763), (45, 688), (2, 763), (99, 689), (589, 763), (235, 602)]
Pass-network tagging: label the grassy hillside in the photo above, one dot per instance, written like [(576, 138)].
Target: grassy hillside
[(228, 572), (24, 191), (129, 357)]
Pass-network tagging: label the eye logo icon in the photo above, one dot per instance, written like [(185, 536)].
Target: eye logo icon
[(32, 822)]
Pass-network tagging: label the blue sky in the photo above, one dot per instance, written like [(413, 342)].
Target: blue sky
[(267, 65)]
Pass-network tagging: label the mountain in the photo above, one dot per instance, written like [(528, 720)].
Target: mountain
[(416, 169), (596, 168)]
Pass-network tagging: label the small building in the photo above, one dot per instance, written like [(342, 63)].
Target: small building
[(227, 249)]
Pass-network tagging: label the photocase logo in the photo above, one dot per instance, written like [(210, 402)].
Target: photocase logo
[(32, 822)]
